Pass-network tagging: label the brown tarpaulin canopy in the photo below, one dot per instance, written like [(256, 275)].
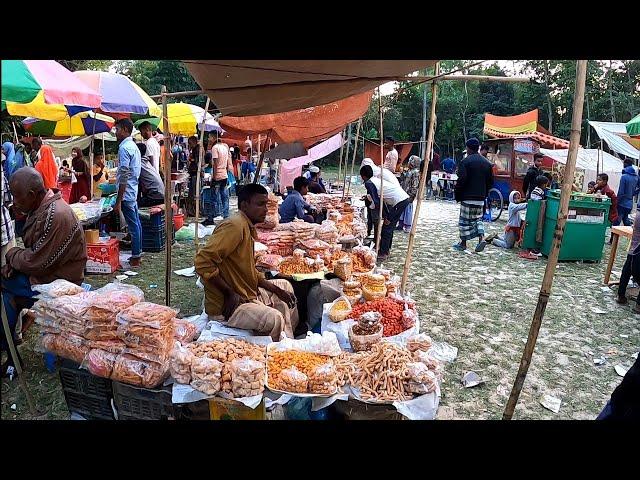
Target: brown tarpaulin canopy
[(257, 87), (307, 126), (372, 151)]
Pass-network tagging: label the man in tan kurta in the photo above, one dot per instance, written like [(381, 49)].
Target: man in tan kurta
[(233, 287)]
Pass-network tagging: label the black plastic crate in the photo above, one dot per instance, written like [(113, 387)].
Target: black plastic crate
[(86, 394), (153, 240), (153, 221), (135, 403)]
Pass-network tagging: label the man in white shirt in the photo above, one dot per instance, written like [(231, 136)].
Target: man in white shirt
[(153, 147), (391, 159), (221, 159), (395, 200)]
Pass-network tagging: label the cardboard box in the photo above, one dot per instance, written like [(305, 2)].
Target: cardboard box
[(103, 257), (224, 409)]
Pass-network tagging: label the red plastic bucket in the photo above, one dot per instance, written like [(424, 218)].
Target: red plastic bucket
[(178, 221)]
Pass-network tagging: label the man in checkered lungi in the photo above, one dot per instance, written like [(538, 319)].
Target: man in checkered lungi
[(475, 179)]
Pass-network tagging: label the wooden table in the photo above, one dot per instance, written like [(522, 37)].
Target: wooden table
[(616, 232)]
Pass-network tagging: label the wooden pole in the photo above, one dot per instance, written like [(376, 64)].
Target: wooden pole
[(547, 282), (168, 212), (200, 157), (15, 132), (261, 155), (423, 181), (380, 219), (346, 161), (353, 158)]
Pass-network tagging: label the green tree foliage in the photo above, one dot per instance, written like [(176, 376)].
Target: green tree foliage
[(613, 94), (150, 75)]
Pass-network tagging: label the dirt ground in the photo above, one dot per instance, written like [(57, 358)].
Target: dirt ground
[(480, 303)]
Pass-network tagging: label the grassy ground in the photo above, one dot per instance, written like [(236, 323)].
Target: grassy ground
[(480, 303)]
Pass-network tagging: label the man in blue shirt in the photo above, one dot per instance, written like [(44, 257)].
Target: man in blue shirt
[(294, 205), (629, 186), (127, 176)]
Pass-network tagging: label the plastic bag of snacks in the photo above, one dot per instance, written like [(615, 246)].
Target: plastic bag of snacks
[(419, 379), (323, 379), (429, 361), (299, 255), (100, 363), (374, 287), (344, 268), (184, 331), (57, 288), (206, 374), (409, 318), (180, 364), (340, 309), (351, 289), (247, 377), (367, 331), (140, 373), (420, 341), (293, 380)]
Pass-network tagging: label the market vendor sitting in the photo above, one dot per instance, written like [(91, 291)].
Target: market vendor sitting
[(54, 245), (235, 292), (150, 184), (315, 185), (294, 205)]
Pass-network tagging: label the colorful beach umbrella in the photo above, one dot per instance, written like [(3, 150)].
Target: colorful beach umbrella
[(119, 94), (185, 119), (84, 123), (633, 127), (44, 89)]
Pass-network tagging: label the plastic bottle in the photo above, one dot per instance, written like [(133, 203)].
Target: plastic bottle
[(50, 362)]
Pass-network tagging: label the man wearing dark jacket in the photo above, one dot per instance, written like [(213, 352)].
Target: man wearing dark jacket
[(625, 399), (475, 179), (629, 186), (529, 182)]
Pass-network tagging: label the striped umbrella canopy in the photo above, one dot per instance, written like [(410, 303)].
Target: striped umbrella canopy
[(44, 89), (120, 95), (185, 119), (633, 127), (84, 123)]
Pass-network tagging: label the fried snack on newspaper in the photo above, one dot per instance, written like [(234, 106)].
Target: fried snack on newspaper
[(305, 362), (380, 373)]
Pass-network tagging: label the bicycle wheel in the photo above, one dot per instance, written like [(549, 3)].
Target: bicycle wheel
[(496, 203)]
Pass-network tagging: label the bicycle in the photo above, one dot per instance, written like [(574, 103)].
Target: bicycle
[(493, 205)]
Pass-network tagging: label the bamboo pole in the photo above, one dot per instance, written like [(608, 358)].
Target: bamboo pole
[(341, 151), (380, 219), (423, 181), (168, 212), (547, 282), (15, 132), (16, 362), (200, 157), (346, 161), (353, 158)]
